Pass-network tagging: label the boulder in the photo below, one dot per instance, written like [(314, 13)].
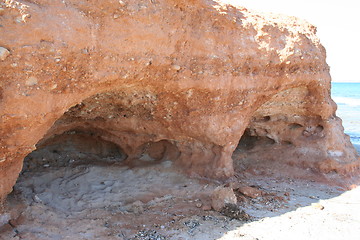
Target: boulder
[(221, 197)]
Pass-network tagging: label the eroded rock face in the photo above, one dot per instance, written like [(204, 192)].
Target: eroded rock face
[(181, 80)]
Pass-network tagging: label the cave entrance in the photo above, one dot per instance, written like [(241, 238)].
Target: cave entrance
[(107, 128), (280, 133), (253, 145), (71, 148), (77, 170), (102, 153), (282, 136), (250, 140)]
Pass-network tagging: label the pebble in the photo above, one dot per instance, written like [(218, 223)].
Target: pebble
[(31, 81), (37, 199), (122, 3), (4, 53), (313, 197), (137, 207), (176, 67), (84, 51), (206, 208), (250, 191), (318, 206), (198, 205)]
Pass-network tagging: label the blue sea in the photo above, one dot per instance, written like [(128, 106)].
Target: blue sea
[(347, 97)]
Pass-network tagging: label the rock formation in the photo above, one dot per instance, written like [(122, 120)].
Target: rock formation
[(175, 79)]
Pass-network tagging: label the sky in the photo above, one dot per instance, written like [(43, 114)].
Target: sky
[(338, 25)]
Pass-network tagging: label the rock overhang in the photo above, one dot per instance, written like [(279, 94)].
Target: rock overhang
[(196, 74)]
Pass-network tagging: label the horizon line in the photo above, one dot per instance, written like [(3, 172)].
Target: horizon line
[(345, 81)]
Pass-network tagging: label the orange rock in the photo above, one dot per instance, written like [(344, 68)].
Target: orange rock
[(193, 76), (222, 196), (250, 191)]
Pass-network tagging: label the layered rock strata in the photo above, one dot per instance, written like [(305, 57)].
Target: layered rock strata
[(175, 79)]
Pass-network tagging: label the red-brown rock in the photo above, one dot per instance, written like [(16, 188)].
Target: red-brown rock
[(174, 79), (250, 191), (221, 197)]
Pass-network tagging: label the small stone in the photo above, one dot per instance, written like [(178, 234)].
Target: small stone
[(250, 191), (84, 51), (176, 67), (206, 208), (122, 3), (137, 207), (318, 206), (4, 53), (222, 196), (54, 86), (37, 199), (116, 16), (198, 205), (31, 81)]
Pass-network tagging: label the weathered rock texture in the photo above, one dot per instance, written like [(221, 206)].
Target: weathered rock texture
[(173, 79)]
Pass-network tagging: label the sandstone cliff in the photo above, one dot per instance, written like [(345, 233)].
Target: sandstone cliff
[(174, 78)]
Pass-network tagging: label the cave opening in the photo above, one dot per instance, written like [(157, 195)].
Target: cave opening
[(278, 133), (116, 127), (249, 140), (263, 148), (100, 153), (73, 147)]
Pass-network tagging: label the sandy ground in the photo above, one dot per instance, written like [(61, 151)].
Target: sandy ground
[(157, 201)]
